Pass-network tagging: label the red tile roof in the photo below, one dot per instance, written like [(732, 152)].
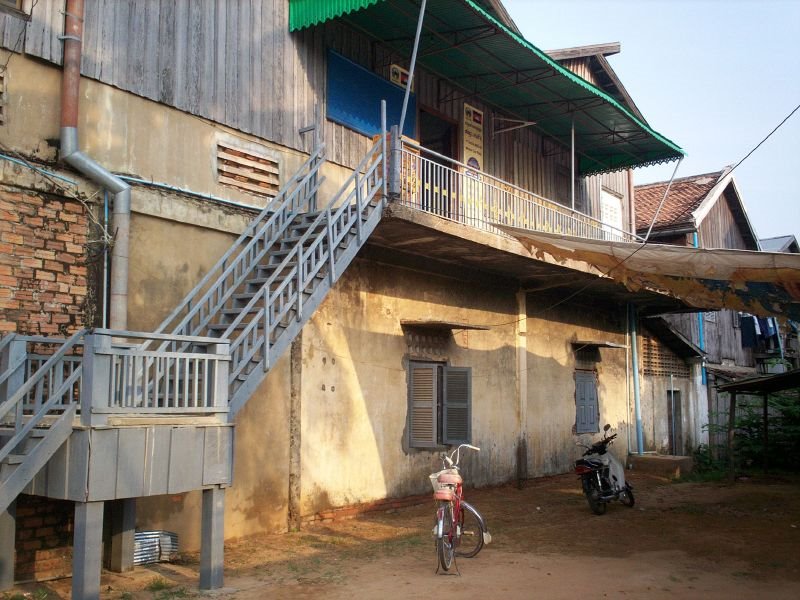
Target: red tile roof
[(684, 197)]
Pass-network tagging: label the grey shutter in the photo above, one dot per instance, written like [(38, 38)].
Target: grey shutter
[(457, 405), (422, 418), (586, 406)]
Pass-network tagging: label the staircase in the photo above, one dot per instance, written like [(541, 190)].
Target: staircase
[(257, 298)]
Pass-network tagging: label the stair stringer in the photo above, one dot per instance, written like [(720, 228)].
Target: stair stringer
[(33, 461), (310, 305)]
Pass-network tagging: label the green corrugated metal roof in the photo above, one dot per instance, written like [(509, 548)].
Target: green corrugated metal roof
[(467, 46), (305, 13)]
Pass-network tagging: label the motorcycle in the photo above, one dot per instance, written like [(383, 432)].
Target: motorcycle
[(603, 476)]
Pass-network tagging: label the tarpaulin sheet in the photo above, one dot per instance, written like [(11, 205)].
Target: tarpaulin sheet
[(760, 283)]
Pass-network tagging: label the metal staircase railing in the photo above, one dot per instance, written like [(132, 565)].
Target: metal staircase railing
[(97, 374), (194, 314), (47, 398), (273, 314), (259, 295)]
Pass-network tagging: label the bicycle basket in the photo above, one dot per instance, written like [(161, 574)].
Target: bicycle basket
[(441, 486)]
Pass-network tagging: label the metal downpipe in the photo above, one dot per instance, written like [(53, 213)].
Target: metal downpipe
[(637, 405), (70, 154)]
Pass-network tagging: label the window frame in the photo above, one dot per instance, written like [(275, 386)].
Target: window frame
[(443, 394)]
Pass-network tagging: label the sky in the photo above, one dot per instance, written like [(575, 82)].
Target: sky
[(713, 76)]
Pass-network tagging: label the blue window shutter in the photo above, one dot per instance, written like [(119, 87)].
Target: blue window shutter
[(457, 405), (587, 409), (423, 422)]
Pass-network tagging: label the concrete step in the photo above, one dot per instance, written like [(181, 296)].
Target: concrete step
[(661, 464)]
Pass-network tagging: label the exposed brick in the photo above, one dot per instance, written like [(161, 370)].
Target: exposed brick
[(45, 276), (11, 238), (55, 245), (35, 263), (46, 254), (34, 221), (52, 265)]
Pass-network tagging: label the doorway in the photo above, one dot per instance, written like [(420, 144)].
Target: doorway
[(675, 418), (439, 176)]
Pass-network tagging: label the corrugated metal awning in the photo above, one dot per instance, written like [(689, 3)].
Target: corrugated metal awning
[(465, 45), (760, 283)]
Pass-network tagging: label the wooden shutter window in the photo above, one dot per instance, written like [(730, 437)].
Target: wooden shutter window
[(457, 405), (422, 420), (247, 170), (587, 409)]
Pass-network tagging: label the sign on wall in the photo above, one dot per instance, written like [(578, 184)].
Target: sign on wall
[(473, 137)]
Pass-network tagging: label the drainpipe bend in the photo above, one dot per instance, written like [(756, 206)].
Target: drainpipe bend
[(70, 154)]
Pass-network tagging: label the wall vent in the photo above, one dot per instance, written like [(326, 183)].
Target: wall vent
[(660, 361), (247, 168)]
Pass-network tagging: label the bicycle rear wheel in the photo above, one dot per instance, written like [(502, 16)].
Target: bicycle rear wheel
[(471, 538), (444, 544)]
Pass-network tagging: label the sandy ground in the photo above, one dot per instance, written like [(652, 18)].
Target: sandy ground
[(681, 540)]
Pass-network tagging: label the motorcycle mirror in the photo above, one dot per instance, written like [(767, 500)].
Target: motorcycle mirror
[(607, 427)]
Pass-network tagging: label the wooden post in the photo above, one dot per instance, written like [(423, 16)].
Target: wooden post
[(212, 536), (731, 430), (123, 526), (8, 534), (86, 552), (96, 378)]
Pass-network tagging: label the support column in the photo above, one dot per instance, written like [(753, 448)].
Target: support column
[(731, 433), (637, 404), (123, 527), (522, 386), (8, 534), (295, 431), (86, 552), (212, 536)]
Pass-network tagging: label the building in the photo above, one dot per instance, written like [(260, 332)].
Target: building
[(274, 289)]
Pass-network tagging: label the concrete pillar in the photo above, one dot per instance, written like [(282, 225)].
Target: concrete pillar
[(87, 550), (8, 533), (295, 431), (123, 527), (212, 535), (522, 386)]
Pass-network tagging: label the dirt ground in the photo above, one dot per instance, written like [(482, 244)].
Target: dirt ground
[(684, 540)]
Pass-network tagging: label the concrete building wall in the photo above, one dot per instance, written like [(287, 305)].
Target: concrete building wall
[(551, 368)]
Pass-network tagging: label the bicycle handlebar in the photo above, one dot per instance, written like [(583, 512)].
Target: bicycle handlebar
[(448, 460)]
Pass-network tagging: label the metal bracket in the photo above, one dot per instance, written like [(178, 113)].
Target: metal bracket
[(519, 124)]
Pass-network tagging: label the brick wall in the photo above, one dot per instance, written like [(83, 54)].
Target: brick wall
[(43, 279), (44, 538), (43, 291)]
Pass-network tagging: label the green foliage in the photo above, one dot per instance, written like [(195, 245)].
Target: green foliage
[(157, 584), (783, 440)]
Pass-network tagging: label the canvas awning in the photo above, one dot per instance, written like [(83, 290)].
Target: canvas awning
[(760, 283), (465, 45)]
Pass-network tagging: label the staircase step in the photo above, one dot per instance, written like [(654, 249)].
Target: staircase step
[(14, 459)]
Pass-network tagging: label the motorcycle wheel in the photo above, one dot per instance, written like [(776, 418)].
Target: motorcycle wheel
[(626, 497), (593, 498)]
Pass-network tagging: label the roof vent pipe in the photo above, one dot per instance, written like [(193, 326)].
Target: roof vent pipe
[(121, 214)]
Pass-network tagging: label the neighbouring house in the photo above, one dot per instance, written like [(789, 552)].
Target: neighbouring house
[(229, 297), (701, 211)]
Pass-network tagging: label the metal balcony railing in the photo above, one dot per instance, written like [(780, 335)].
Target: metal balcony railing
[(442, 186)]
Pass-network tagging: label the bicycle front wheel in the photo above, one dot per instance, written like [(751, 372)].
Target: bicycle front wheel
[(444, 544), (472, 530)]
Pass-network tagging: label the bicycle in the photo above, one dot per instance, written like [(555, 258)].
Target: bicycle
[(460, 530)]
